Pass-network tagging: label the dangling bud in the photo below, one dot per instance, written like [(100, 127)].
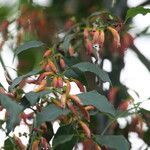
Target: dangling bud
[(80, 85), (89, 46), (85, 129), (126, 42), (86, 33), (93, 31), (54, 82), (95, 37), (35, 145), (59, 82), (76, 99), (72, 108), (63, 100), (41, 87), (47, 53), (116, 41), (68, 87), (52, 66), (101, 38), (62, 64)]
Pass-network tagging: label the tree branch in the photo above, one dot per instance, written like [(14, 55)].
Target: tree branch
[(145, 3), (144, 60)]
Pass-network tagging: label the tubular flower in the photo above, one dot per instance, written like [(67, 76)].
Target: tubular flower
[(59, 82), (68, 87), (116, 40), (89, 46), (47, 53), (41, 86), (52, 66), (62, 64), (63, 100), (54, 82), (86, 33), (126, 42), (98, 38), (80, 85), (85, 129)]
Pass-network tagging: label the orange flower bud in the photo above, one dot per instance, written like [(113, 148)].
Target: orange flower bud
[(86, 33), (80, 85), (85, 129), (116, 41), (68, 87), (59, 82), (97, 147), (62, 64), (93, 31), (71, 51), (52, 66), (84, 112), (89, 46), (90, 107), (72, 108), (41, 86), (126, 42), (76, 99), (101, 38), (54, 82), (95, 37), (35, 145), (63, 100), (47, 53)]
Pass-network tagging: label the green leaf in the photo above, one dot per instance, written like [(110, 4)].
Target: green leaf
[(65, 138), (132, 12), (89, 67), (66, 42), (17, 80), (28, 45), (117, 142), (98, 101), (62, 139), (50, 113), (9, 145), (33, 97), (13, 109)]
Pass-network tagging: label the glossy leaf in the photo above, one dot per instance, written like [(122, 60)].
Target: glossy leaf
[(13, 109), (49, 113), (99, 101), (33, 97), (64, 138), (132, 12), (117, 142), (17, 80), (89, 67), (28, 45), (8, 145)]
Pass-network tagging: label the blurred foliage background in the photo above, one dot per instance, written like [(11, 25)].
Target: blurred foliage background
[(26, 20)]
